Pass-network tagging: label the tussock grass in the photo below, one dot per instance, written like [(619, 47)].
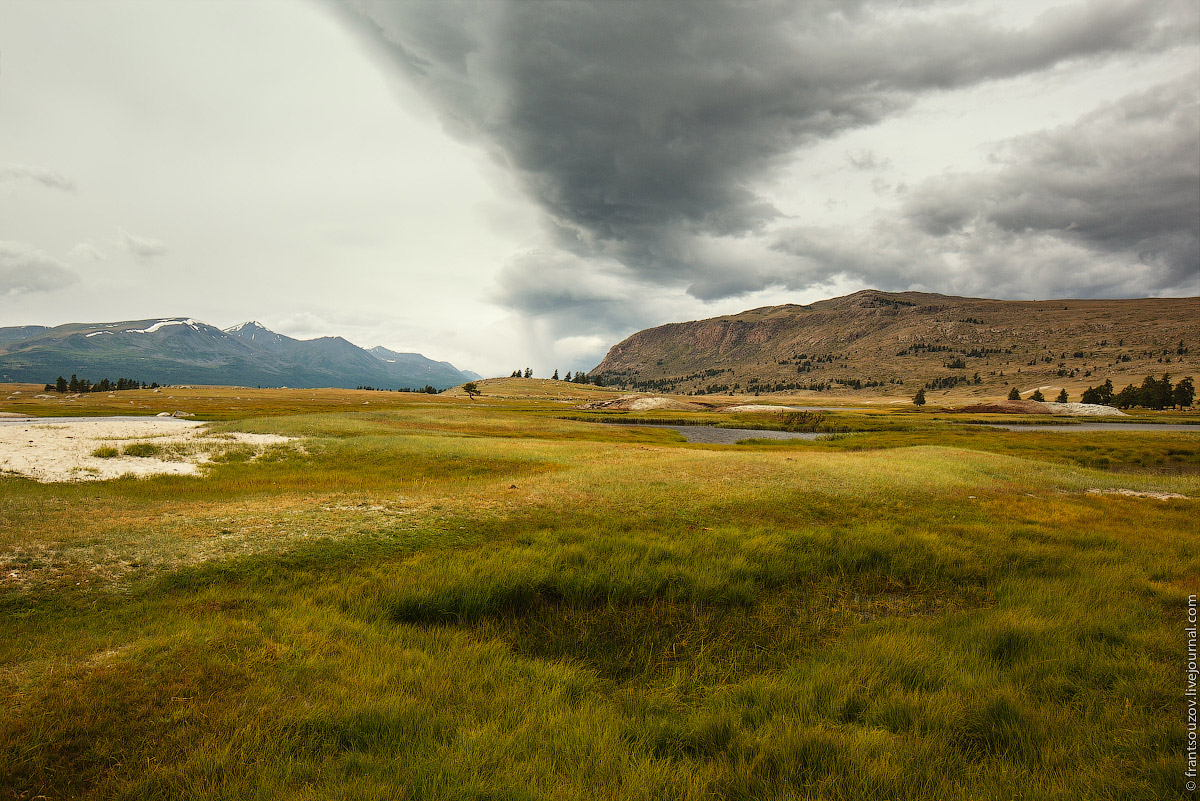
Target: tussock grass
[(460, 600), (143, 450)]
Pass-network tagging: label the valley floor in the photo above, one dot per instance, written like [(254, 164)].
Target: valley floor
[(437, 597)]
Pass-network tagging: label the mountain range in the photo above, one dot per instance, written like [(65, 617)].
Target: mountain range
[(180, 350), (896, 342)]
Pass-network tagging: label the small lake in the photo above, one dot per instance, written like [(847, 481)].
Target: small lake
[(1068, 428), (711, 435)]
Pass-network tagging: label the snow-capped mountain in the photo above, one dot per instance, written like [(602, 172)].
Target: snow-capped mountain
[(184, 350)]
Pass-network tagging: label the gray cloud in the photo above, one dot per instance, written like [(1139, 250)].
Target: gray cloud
[(140, 247), (593, 297), (42, 175), (1106, 206), (87, 251), (1122, 180), (25, 269), (642, 128)]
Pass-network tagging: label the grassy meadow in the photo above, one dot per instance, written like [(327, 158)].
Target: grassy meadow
[(434, 597)]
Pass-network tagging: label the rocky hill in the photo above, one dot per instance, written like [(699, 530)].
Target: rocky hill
[(895, 342), (181, 350)]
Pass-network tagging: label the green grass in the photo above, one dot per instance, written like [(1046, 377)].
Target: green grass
[(469, 601), (142, 450)]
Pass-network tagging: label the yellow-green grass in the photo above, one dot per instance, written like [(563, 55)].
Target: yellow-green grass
[(461, 600)]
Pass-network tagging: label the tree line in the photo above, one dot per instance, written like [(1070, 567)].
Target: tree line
[(428, 389), (77, 384), (1153, 393), (580, 377)]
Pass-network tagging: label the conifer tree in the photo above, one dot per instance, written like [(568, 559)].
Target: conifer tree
[(1013, 394), (1185, 393)]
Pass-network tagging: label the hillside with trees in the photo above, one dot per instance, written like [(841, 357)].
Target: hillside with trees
[(885, 343)]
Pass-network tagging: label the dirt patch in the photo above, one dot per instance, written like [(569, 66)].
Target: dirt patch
[(1084, 410), (1158, 496), (1043, 407), (1007, 407), (641, 403), (755, 407), (90, 450)]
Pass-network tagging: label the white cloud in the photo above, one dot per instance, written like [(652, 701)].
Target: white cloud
[(42, 175), (140, 247), (87, 251), (25, 269)]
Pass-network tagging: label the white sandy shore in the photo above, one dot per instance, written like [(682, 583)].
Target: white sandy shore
[(61, 450)]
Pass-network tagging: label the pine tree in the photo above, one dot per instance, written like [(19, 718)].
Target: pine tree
[(1062, 396), (1158, 394), (60, 385), (567, 377), (919, 398), (1185, 393), (529, 372), (1101, 395), (555, 376), (1013, 394), (1037, 396), (1130, 396)]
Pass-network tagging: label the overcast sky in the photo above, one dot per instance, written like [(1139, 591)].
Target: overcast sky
[(503, 184)]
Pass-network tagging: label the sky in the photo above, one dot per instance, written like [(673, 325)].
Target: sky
[(506, 183)]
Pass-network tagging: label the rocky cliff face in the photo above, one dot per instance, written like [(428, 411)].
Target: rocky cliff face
[(893, 343)]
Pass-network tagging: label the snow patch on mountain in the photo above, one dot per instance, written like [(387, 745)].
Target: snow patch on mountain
[(189, 322)]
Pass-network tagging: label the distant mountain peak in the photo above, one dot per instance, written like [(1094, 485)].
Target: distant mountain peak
[(248, 326)]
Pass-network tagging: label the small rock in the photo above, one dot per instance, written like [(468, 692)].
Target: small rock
[(183, 414)]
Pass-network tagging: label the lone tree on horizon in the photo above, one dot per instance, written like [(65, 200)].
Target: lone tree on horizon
[(472, 389)]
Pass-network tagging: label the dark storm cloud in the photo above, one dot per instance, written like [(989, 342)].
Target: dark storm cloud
[(1107, 205), (642, 128), (1122, 180)]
